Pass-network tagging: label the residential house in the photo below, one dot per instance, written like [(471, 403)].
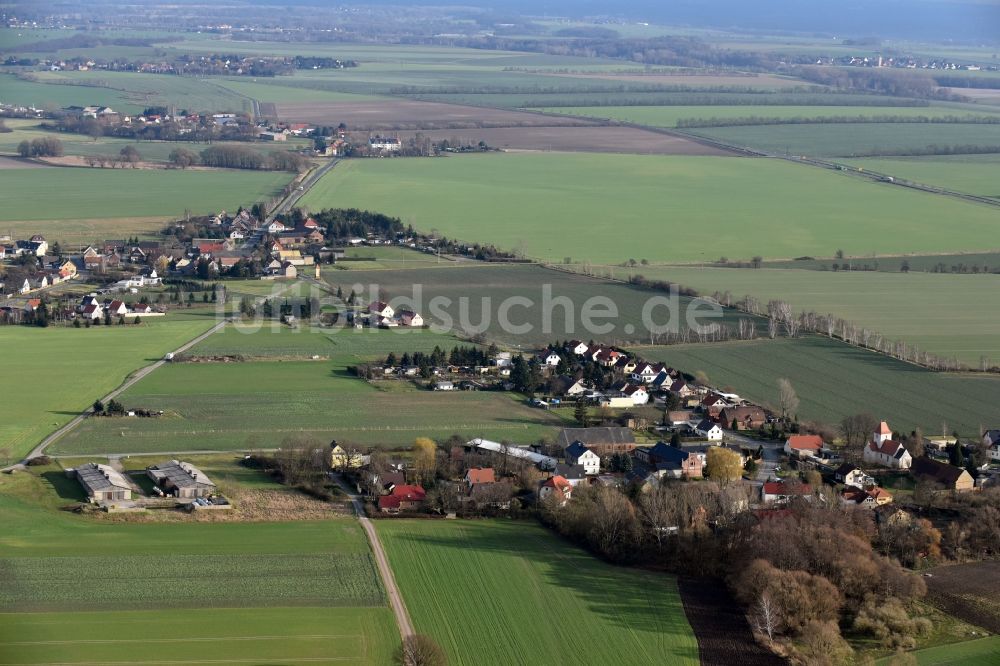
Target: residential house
[(402, 498), (710, 430), (713, 404), (883, 450), (116, 308), (743, 417), (576, 347), (92, 312), (410, 318), (850, 475), (575, 474), (679, 417), (549, 358), (568, 386), (444, 386), (341, 458), (287, 270), (644, 372), (947, 476), (991, 438), (381, 309), (667, 461), (32, 304), (603, 441), (578, 454), (680, 387), (101, 482), (557, 488), (181, 479), (625, 365), (780, 492), (479, 476), (868, 498), (801, 446)]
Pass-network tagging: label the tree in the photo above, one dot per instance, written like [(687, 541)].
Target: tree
[(955, 455), (722, 465), (788, 400), (24, 148), (580, 413), (675, 440), (915, 444), (424, 458), (130, 155), (857, 429), (183, 158), (765, 616), (420, 650)]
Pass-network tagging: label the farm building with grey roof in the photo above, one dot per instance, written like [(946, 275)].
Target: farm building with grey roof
[(181, 478), (102, 483)]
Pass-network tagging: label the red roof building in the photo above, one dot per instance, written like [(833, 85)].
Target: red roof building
[(402, 498)]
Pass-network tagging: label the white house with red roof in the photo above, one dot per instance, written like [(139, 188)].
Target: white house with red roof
[(883, 450), (780, 492), (556, 487)]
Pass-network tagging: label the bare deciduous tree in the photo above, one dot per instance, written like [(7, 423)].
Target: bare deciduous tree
[(420, 650), (788, 400)]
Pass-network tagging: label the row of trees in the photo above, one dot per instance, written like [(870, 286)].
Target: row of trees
[(240, 157), (41, 147)]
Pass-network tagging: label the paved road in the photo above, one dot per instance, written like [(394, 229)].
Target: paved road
[(296, 194), (395, 598)]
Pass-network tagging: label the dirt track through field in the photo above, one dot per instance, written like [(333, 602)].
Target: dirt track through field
[(388, 579)]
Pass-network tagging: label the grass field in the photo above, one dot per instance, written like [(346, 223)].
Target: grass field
[(834, 380), (949, 315), (29, 93), (495, 592), (982, 651), (70, 368), (236, 406), (143, 90), (86, 193), (853, 139), (668, 116), (262, 593), (971, 174), (557, 205), (473, 297), (387, 258)]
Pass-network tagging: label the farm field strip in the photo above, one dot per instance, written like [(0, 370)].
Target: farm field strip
[(948, 315), (852, 140), (530, 597), (87, 193), (834, 380), (971, 174), (670, 116), (555, 206)]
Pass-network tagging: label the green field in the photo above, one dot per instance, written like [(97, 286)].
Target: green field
[(70, 368), (87, 591), (969, 174), (65, 193), (853, 139), (609, 208), (452, 298), (235, 406), (982, 651), (834, 380), (386, 258), (150, 151), (948, 315), (668, 116), (140, 91), (51, 97), (502, 593)]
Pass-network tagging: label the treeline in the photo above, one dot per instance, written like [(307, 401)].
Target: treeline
[(317, 62), (675, 51), (834, 120), (205, 131), (989, 83), (82, 41), (341, 223), (747, 98), (933, 149), (238, 157), (43, 147), (799, 591), (899, 83)]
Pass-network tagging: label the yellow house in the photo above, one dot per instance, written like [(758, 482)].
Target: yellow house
[(341, 458)]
